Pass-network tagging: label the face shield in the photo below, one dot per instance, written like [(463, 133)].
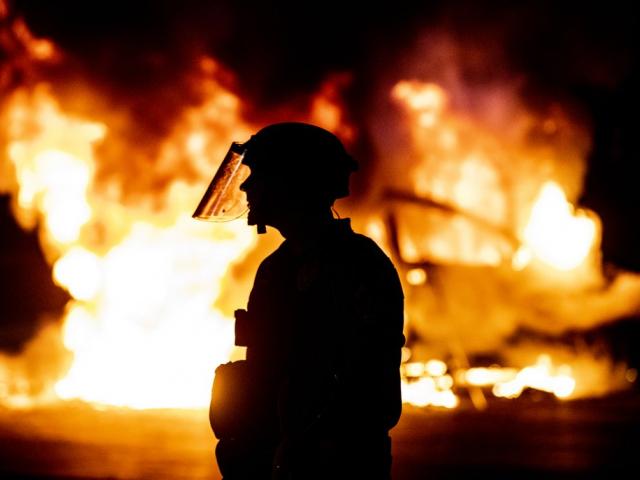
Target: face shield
[(224, 200)]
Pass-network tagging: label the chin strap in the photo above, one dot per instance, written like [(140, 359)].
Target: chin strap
[(261, 228)]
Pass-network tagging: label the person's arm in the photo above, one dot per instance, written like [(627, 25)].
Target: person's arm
[(372, 375)]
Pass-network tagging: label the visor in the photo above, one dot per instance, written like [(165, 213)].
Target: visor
[(224, 200)]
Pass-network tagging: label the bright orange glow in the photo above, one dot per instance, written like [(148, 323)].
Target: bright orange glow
[(327, 110), (557, 233), (483, 377), (152, 339), (436, 368), (428, 383), (79, 271), (38, 48), (541, 376), (426, 392), (511, 382), (454, 164), (416, 276), (428, 99), (141, 325), (375, 229), (53, 168)]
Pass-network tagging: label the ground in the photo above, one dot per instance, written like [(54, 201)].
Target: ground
[(531, 437)]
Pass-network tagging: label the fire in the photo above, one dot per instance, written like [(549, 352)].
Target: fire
[(150, 338), (79, 271), (417, 276), (428, 383), (462, 165), (541, 376), (327, 110), (511, 382), (37, 48), (141, 325), (481, 201), (428, 100), (144, 277), (556, 233), (54, 167), (451, 163)]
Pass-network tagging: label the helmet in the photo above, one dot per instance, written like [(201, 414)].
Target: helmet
[(306, 161)]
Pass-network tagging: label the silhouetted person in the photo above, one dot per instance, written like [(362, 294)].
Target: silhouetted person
[(320, 387)]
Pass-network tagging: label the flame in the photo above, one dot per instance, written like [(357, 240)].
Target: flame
[(541, 376), (151, 338), (487, 376), (141, 325), (428, 383), (458, 165), (144, 278), (327, 110), (557, 233), (417, 276), (79, 271), (452, 164), (428, 100), (37, 48), (472, 172), (511, 382), (54, 167)]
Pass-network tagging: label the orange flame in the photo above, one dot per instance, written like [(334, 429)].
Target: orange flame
[(487, 197), (556, 233), (428, 383), (141, 324)]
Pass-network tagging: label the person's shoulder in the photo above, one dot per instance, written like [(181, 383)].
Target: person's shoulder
[(366, 250), (372, 265), (366, 245), (276, 258)]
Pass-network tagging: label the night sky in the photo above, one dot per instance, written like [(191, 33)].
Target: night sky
[(583, 54)]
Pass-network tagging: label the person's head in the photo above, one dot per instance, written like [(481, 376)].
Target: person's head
[(290, 173), (297, 170)]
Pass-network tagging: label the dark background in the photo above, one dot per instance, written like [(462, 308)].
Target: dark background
[(136, 52)]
